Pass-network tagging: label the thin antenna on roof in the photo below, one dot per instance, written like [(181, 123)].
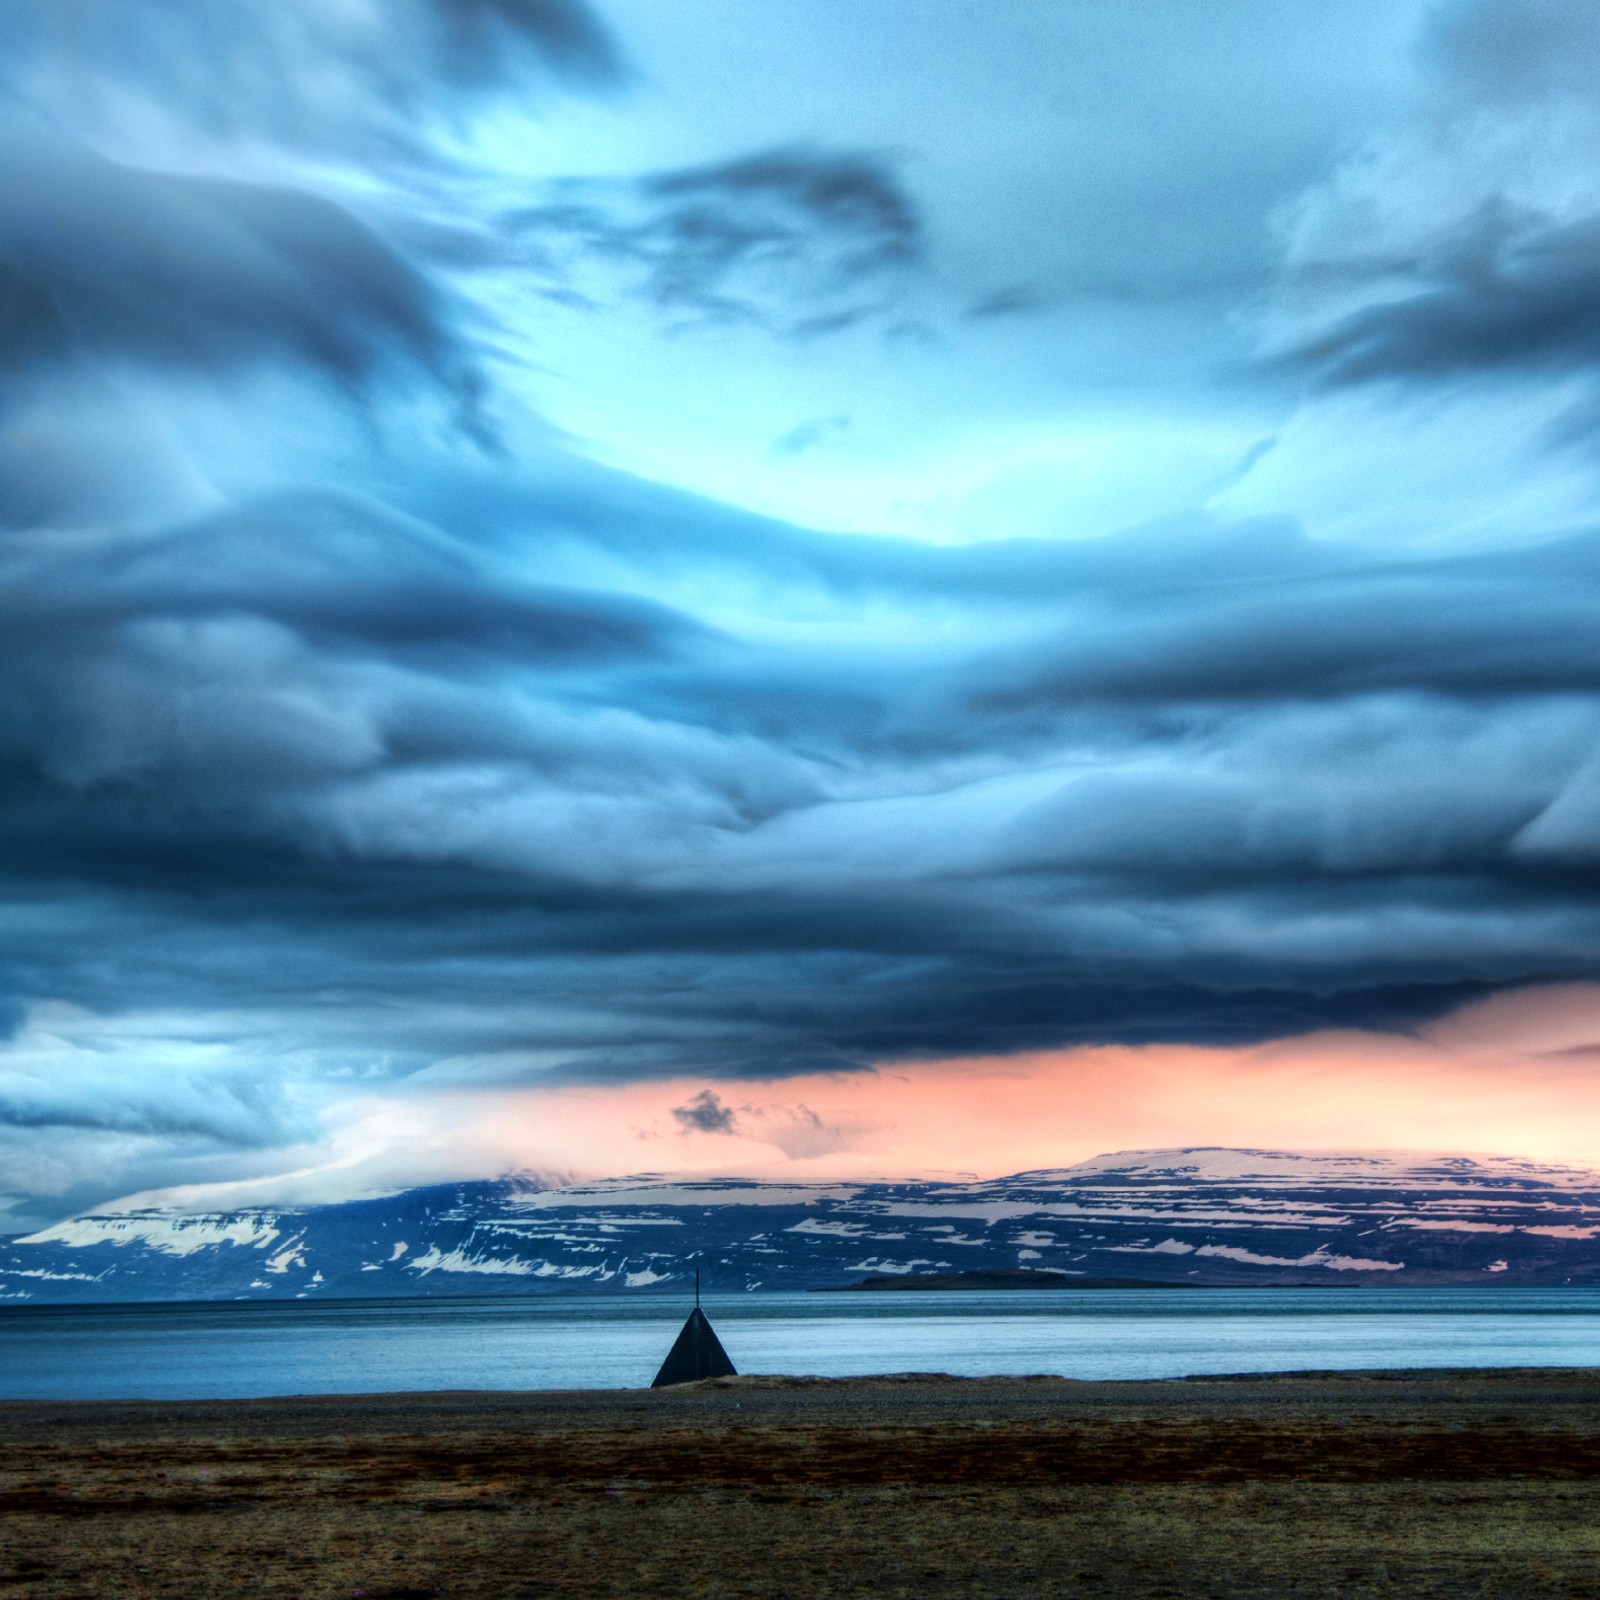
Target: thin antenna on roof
[(697, 1351)]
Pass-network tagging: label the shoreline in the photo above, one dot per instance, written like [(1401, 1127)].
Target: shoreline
[(885, 1383), (945, 1284), (752, 1383)]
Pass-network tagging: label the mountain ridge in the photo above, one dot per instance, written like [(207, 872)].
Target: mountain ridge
[(1201, 1215)]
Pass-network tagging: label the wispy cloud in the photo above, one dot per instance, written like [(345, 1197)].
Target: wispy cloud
[(797, 241)]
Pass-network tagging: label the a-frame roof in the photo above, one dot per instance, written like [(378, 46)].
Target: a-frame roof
[(696, 1353)]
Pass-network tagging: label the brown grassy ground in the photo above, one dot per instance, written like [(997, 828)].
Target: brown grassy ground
[(1414, 1485)]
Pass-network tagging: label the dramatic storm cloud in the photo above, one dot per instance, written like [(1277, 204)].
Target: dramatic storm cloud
[(669, 551)]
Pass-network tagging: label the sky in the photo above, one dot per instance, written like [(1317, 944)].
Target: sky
[(896, 587)]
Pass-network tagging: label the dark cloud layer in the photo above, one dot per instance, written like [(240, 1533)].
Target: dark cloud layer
[(1459, 246), (1505, 291), (100, 263), (238, 1111), (369, 75), (375, 755), (346, 756), (797, 240)]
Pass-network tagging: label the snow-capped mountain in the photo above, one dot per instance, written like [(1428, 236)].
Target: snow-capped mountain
[(1168, 1216)]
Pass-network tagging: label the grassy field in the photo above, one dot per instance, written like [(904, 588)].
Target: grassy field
[(1410, 1484)]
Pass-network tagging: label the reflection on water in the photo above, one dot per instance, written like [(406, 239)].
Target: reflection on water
[(216, 1351)]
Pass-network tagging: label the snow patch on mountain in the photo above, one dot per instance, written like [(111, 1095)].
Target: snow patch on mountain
[(1316, 1258), (437, 1260), (173, 1234), (648, 1190), (1300, 1168)]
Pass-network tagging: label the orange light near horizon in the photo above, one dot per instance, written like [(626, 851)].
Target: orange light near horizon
[(1515, 1076)]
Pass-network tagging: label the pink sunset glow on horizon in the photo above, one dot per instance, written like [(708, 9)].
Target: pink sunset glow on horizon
[(1512, 1076)]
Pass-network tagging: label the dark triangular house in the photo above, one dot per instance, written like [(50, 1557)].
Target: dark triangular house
[(696, 1353)]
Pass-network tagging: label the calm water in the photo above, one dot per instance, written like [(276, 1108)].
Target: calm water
[(349, 1347)]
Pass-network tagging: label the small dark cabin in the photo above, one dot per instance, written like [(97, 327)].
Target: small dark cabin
[(696, 1353)]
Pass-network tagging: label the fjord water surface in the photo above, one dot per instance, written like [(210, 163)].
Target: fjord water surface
[(223, 1350)]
